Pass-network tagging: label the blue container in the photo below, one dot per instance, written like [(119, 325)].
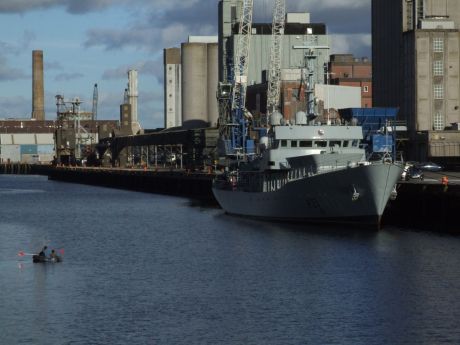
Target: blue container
[(371, 119), (28, 149)]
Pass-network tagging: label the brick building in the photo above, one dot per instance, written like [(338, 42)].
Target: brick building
[(346, 70)]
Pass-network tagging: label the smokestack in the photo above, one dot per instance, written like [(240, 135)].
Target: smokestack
[(132, 93), (38, 97)]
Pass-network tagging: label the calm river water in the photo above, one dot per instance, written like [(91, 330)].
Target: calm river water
[(151, 269)]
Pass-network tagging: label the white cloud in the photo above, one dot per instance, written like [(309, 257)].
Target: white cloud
[(358, 44)]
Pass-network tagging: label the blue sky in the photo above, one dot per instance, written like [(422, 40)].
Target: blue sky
[(96, 41)]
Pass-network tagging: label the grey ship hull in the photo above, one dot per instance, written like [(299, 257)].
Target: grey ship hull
[(326, 197)]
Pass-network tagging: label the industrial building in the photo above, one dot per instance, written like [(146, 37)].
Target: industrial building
[(300, 36), (416, 65), (347, 70), (26, 141), (192, 72), (70, 138), (293, 97)]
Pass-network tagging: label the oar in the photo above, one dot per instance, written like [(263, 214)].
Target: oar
[(21, 253)]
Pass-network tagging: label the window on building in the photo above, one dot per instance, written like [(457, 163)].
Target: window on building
[(366, 88), (438, 91), (438, 122), (438, 44), (438, 67)]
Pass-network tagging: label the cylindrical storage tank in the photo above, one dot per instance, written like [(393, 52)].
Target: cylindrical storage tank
[(194, 82), (300, 118), (213, 79)]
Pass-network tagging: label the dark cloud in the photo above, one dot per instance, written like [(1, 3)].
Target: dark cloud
[(112, 39), (115, 73), (8, 73), (18, 47), (15, 107), (55, 65), (68, 76), (346, 21), (85, 6), (21, 6), (71, 6), (157, 27)]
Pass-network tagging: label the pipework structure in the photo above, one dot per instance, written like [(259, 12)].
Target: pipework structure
[(72, 139)]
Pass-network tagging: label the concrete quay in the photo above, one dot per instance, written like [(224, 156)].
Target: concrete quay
[(196, 185)]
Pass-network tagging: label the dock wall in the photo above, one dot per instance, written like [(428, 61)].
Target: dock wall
[(424, 206), (181, 183)]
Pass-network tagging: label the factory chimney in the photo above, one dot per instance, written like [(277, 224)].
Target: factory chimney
[(38, 97), (132, 93)]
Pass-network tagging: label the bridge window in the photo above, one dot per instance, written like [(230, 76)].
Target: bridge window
[(333, 143), (345, 143), (321, 143), (283, 143), (305, 143), (293, 143)]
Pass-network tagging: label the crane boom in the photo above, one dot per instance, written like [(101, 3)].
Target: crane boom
[(240, 76), (274, 70), (242, 54)]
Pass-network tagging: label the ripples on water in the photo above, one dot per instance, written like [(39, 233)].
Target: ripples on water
[(151, 269)]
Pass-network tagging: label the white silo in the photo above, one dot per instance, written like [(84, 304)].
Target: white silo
[(194, 83), (213, 79)]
